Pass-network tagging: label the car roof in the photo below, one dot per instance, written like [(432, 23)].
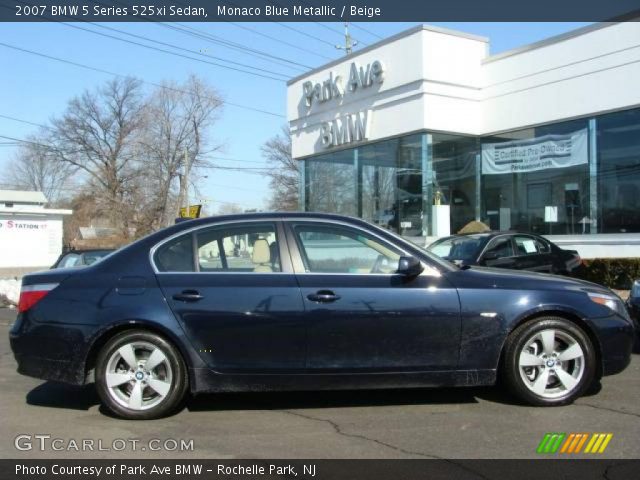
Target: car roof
[(270, 216)]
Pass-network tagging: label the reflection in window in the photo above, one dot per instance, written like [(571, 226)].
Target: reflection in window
[(328, 249), (176, 255), (330, 183)]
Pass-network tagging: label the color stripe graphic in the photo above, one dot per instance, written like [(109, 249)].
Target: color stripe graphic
[(573, 443)]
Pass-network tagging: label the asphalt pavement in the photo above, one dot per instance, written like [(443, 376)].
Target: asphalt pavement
[(422, 423)]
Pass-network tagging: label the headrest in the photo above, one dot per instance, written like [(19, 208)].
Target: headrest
[(261, 252)]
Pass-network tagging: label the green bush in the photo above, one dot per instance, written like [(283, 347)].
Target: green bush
[(618, 273)]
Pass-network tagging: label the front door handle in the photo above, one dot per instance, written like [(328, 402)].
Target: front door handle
[(323, 296), (188, 296)]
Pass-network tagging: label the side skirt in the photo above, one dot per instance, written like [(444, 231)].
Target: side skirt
[(207, 381)]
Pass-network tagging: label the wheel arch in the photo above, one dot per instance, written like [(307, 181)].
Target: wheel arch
[(567, 315), (111, 331)]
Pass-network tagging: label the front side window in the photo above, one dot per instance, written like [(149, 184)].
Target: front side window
[(542, 246), (500, 248), (335, 249), (250, 247)]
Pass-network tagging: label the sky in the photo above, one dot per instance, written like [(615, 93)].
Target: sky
[(35, 89)]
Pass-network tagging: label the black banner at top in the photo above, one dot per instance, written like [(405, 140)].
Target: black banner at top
[(317, 10)]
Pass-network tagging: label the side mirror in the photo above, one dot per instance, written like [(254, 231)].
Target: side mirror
[(410, 266), (489, 256)]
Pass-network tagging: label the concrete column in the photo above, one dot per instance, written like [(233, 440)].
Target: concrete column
[(427, 182), (593, 175)]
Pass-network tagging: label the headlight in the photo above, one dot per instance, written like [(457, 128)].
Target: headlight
[(609, 301)]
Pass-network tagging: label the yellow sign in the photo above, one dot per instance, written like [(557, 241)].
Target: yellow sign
[(192, 212)]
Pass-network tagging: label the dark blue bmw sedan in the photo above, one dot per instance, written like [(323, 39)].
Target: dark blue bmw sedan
[(308, 301)]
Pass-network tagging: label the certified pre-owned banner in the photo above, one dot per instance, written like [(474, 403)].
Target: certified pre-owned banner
[(540, 153)]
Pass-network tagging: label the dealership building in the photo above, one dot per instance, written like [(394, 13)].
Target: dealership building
[(426, 131)]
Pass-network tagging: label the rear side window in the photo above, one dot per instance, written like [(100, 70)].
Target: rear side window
[(176, 255), (251, 247)]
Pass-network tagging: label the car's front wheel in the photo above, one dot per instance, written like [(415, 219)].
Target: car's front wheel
[(139, 375), (549, 361)]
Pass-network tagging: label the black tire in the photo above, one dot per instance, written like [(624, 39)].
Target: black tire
[(178, 384), (516, 343)]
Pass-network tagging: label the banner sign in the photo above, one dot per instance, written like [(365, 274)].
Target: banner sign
[(540, 153)]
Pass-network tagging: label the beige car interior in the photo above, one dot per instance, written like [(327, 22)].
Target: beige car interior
[(261, 256)]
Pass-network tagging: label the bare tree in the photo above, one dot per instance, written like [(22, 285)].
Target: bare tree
[(37, 167), (175, 142), (229, 209), (283, 172), (97, 134)]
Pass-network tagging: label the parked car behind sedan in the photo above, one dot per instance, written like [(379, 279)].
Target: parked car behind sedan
[(513, 250), (633, 304), (80, 258), (307, 302)]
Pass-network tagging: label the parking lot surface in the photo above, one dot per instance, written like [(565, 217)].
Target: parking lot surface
[(423, 423)]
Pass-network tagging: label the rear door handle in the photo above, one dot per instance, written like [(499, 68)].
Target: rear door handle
[(188, 296), (323, 296)]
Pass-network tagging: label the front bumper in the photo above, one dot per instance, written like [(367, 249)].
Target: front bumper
[(616, 335)]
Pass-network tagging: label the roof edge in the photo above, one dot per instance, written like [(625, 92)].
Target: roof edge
[(384, 41), (561, 37)]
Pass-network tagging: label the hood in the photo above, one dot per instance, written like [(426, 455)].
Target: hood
[(484, 277)]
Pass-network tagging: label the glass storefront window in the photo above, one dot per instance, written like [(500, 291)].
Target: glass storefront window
[(454, 176), (391, 184), (619, 171), (537, 179)]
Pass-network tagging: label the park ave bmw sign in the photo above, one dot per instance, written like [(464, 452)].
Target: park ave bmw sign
[(353, 127)]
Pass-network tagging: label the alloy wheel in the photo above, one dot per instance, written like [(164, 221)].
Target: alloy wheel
[(138, 375), (551, 363)]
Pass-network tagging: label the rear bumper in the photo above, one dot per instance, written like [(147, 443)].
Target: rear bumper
[(49, 352), (47, 369)]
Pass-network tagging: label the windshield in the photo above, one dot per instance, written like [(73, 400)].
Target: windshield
[(459, 249)]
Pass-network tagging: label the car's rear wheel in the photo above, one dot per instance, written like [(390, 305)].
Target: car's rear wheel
[(139, 375), (549, 361)]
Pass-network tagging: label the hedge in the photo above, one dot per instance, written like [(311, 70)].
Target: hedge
[(618, 273)]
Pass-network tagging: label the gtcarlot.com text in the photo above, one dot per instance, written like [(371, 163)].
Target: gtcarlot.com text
[(50, 443)]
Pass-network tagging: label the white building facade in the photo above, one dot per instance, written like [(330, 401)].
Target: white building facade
[(425, 131), (30, 234)]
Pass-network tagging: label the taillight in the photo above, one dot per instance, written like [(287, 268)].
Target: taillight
[(32, 294)]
